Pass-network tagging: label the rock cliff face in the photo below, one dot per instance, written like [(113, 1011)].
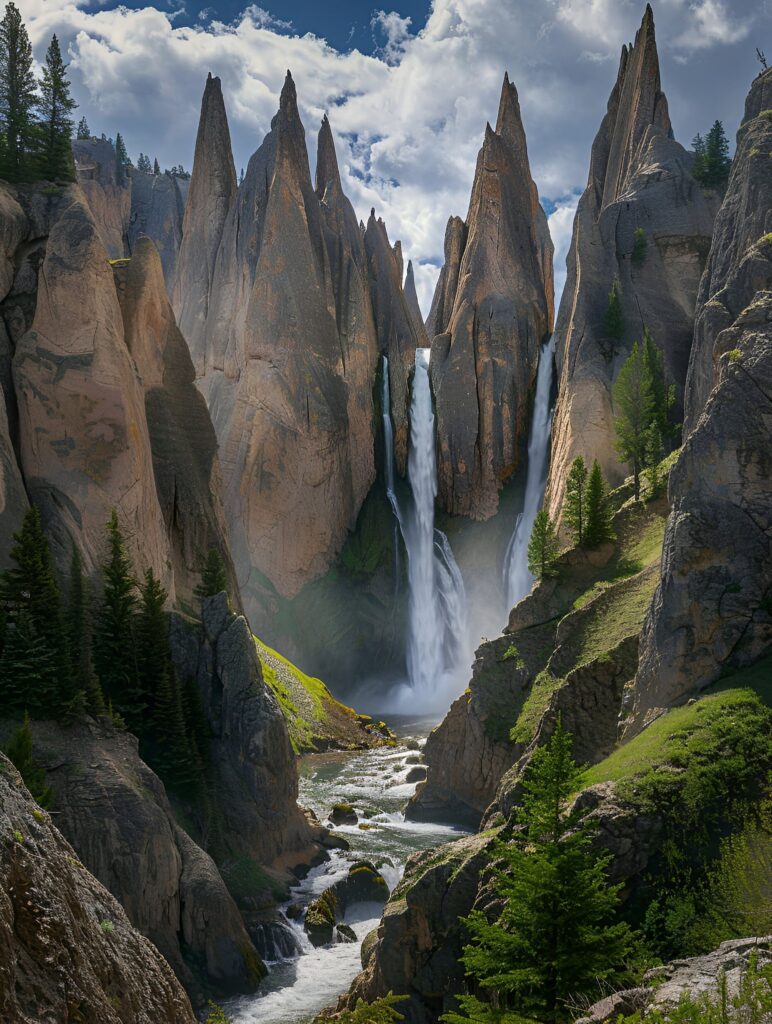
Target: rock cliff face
[(211, 195), (114, 811), (281, 325), (157, 209), (182, 441), (67, 949), (643, 222), (713, 607), (491, 312), (411, 298), (107, 188)]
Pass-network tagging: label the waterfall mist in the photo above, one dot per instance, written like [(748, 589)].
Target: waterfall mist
[(518, 579)]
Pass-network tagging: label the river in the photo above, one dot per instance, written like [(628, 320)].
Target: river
[(373, 781)]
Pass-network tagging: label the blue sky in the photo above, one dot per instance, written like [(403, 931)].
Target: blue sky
[(408, 93)]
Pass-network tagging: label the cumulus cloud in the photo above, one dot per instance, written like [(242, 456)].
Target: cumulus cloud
[(410, 118)]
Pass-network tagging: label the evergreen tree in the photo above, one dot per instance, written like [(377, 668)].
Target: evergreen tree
[(152, 634), (114, 640), (121, 159), (196, 723), (574, 511), (654, 455), (543, 547), (28, 670), (555, 937), (598, 513), (144, 165), (56, 106), (241, 177), (156, 168), (19, 752), (712, 162), (613, 327), (663, 397), (214, 578), (31, 598), (79, 638), (84, 131), (634, 405), (18, 97), (176, 758)]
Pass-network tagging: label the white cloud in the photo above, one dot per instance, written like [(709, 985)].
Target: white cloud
[(561, 224), (711, 24), (396, 32), (407, 132)]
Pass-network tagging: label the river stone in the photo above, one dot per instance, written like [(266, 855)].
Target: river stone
[(417, 774), (345, 933), (343, 814)]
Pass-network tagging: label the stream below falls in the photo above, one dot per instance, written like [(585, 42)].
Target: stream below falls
[(307, 979)]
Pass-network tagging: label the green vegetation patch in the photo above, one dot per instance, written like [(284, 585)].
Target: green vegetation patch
[(535, 705), (246, 879)]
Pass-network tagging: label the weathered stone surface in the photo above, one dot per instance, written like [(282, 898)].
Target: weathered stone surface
[(272, 370), (713, 607), (639, 180), (397, 336), (67, 949), (83, 437), (487, 337), (157, 210), (211, 195), (115, 812), (411, 298), (255, 768), (697, 978), (186, 468), (107, 189), (438, 320), (13, 497)]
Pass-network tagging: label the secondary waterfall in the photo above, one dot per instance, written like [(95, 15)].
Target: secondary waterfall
[(517, 577), (437, 613)]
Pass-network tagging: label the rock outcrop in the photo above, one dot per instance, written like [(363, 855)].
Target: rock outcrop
[(411, 299), (114, 811), (107, 188), (183, 445), (157, 210), (67, 949), (492, 310), (713, 608), (644, 223), (211, 195), (276, 338)]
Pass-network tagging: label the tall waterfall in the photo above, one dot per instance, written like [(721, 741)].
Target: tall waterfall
[(437, 613), (517, 577)]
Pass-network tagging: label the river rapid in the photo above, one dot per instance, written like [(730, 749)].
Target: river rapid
[(306, 979)]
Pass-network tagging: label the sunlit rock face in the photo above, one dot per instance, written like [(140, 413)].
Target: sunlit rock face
[(713, 609), (491, 312), (639, 181)]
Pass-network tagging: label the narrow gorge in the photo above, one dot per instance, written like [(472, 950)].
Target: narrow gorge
[(363, 666)]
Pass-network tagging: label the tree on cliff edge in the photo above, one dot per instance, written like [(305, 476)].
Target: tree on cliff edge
[(634, 405), (556, 937), (18, 97), (56, 106), (543, 547)]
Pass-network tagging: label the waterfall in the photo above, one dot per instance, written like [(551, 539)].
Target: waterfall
[(388, 445), (437, 615), (517, 577)]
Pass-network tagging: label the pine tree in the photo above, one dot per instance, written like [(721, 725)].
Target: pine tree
[(599, 527), (19, 752), (121, 159), (156, 168), (662, 395), (144, 165), (613, 327), (83, 131), (80, 639), (175, 757), (56, 106), (28, 670), (556, 936), (114, 640), (543, 547), (196, 723), (634, 405), (18, 97), (712, 162), (574, 511), (29, 591), (654, 455), (152, 636), (214, 578), (241, 177)]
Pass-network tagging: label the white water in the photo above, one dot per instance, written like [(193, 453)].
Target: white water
[(518, 579), (437, 643), (374, 782), (388, 446)]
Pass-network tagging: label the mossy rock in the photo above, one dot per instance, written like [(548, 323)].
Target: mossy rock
[(345, 933), (321, 918), (368, 947), (343, 814)]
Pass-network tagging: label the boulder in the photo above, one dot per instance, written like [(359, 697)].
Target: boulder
[(107, 188), (343, 814)]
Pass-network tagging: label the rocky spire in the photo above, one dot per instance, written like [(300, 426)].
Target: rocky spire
[(210, 197), (411, 298), (327, 173), (491, 311), (640, 199)]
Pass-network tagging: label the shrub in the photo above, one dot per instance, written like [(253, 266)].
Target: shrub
[(639, 245)]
